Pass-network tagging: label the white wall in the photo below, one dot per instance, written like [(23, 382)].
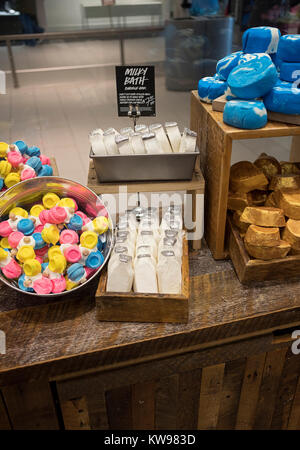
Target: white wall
[(66, 14)]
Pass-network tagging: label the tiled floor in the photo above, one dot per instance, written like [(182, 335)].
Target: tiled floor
[(56, 109)]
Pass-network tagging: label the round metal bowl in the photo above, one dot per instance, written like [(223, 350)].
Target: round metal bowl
[(31, 191)]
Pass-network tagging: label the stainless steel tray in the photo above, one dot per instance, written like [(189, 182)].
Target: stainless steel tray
[(162, 167)]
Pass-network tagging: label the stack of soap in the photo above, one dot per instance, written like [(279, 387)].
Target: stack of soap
[(147, 255), (155, 139)]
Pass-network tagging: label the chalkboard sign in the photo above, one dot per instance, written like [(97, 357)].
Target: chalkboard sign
[(136, 86)]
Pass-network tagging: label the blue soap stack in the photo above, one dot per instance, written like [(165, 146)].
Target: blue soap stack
[(249, 78)]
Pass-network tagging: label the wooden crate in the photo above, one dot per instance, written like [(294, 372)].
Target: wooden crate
[(134, 307), (215, 140), (248, 269)]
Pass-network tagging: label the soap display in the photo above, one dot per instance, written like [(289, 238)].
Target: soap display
[(155, 139), (51, 246), (264, 204), (147, 256), (266, 69), (19, 162)]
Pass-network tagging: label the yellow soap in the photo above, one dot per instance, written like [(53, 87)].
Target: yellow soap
[(25, 252), (36, 209), (50, 200), (88, 239), (57, 263), (32, 267)]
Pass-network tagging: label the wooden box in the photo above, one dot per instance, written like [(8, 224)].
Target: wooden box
[(248, 269), (215, 140), (133, 307)]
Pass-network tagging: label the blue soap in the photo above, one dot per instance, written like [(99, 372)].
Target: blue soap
[(35, 163), (289, 48), (1, 183), (33, 151), (22, 146), (21, 284), (75, 223), (253, 79), (39, 241), (248, 115), (261, 40), (94, 260), (225, 65), (283, 99), (290, 72), (75, 272), (44, 266), (229, 95), (246, 57), (210, 88), (45, 171), (26, 226)]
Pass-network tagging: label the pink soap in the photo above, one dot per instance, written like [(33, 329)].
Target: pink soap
[(39, 259), (43, 286), (89, 272), (14, 238), (5, 229), (15, 158), (82, 215), (57, 215), (68, 237), (44, 216), (12, 270), (27, 174), (42, 251), (72, 254), (39, 229), (45, 160), (58, 285)]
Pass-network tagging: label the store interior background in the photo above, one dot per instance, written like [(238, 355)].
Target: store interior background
[(67, 87)]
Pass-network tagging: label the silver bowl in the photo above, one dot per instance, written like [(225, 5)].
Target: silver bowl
[(31, 191)]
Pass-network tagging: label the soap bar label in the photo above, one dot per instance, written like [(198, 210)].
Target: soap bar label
[(136, 86)]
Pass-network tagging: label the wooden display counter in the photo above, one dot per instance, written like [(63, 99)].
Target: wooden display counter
[(230, 367)]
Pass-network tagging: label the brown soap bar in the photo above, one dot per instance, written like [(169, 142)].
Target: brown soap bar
[(257, 197), (242, 226), (268, 164), (267, 253), (245, 177), (237, 201), (265, 237), (289, 168), (264, 216), (291, 233), (284, 182), (289, 201), (271, 200)]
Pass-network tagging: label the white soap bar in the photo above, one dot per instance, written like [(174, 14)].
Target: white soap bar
[(169, 274), (161, 136), (147, 240), (127, 131), (141, 128), (129, 234), (145, 279), (137, 144), (152, 145), (125, 242), (110, 142), (188, 141), (145, 249), (97, 143), (124, 146), (120, 275), (174, 245), (173, 135), (149, 231)]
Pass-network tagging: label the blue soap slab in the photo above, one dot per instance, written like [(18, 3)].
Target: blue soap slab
[(283, 99), (75, 272), (26, 226), (246, 57), (261, 40), (229, 94), (44, 266), (225, 65), (290, 72), (210, 88), (94, 260), (253, 79), (45, 171), (283, 83), (248, 115), (1, 183), (289, 48), (22, 146), (33, 151), (35, 163), (75, 223)]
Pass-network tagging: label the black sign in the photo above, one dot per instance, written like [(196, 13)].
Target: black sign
[(135, 86)]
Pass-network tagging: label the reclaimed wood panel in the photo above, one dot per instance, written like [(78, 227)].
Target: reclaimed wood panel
[(4, 419), (232, 384), (210, 397), (75, 414), (269, 386), (294, 420), (250, 392), (143, 406), (188, 399), (166, 403), (119, 408), (31, 406)]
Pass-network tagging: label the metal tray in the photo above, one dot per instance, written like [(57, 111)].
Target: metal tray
[(162, 167)]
